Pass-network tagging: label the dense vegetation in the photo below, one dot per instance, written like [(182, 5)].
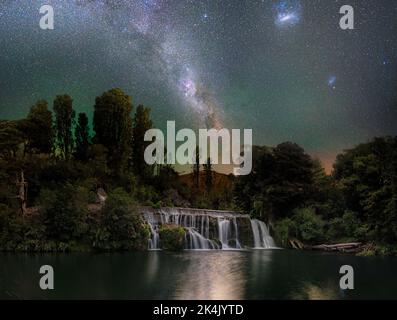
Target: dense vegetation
[(356, 203), (53, 162), (172, 237), (64, 162)]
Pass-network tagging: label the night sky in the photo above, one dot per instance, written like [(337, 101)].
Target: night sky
[(283, 68)]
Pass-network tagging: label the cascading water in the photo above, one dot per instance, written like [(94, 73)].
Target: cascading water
[(154, 242), (209, 229), (224, 232), (262, 238)]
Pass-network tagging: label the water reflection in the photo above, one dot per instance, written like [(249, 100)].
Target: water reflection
[(211, 275), (255, 274), (152, 266), (261, 261), (311, 291)]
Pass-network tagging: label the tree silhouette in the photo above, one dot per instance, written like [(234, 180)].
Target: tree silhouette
[(196, 169), (38, 128), (64, 117), (113, 126), (82, 137), (208, 175), (142, 123)]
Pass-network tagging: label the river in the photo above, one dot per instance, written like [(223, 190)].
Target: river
[(235, 274)]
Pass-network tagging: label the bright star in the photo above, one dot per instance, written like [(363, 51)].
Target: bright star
[(332, 81)]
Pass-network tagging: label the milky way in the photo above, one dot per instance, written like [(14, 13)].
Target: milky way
[(282, 68)]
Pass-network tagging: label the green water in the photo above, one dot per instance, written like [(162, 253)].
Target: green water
[(258, 274)]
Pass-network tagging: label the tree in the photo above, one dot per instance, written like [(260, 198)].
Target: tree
[(142, 123), (196, 169), (292, 178), (366, 176), (113, 126), (123, 226), (64, 117), (64, 211), (82, 136), (246, 188), (208, 175), (281, 180), (10, 139), (38, 129)]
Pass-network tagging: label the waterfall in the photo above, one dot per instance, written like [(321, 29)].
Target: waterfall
[(262, 238), (238, 245), (224, 232), (194, 240), (154, 242), (209, 229)]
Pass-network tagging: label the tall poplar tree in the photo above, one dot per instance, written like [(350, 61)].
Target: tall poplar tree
[(82, 135), (208, 175), (142, 123), (64, 118), (38, 128), (113, 126)]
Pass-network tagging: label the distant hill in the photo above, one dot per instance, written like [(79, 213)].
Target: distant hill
[(220, 181)]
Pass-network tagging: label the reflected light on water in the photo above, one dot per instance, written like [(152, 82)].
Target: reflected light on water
[(152, 266), (213, 276), (310, 291)]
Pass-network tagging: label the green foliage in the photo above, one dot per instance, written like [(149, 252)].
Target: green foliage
[(122, 227), (310, 226), (98, 167), (286, 187), (64, 118), (284, 230), (64, 212), (10, 139), (378, 250), (367, 178), (20, 234), (172, 237), (63, 191), (141, 124), (305, 225), (146, 194), (157, 205), (113, 126), (82, 136), (38, 129), (347, 228), (281, 180)]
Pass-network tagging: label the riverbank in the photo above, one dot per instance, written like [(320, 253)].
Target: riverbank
[(353, 248)]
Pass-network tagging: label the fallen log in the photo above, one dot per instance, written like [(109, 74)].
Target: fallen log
[(341, 247), (296, 244)]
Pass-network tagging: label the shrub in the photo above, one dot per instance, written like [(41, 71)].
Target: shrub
[(284, 230), (122, 227), (172, 237), (17, 233), (348, 228), (64, 211), (310, 226)]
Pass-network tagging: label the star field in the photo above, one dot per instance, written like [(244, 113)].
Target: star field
[(283, 68)]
